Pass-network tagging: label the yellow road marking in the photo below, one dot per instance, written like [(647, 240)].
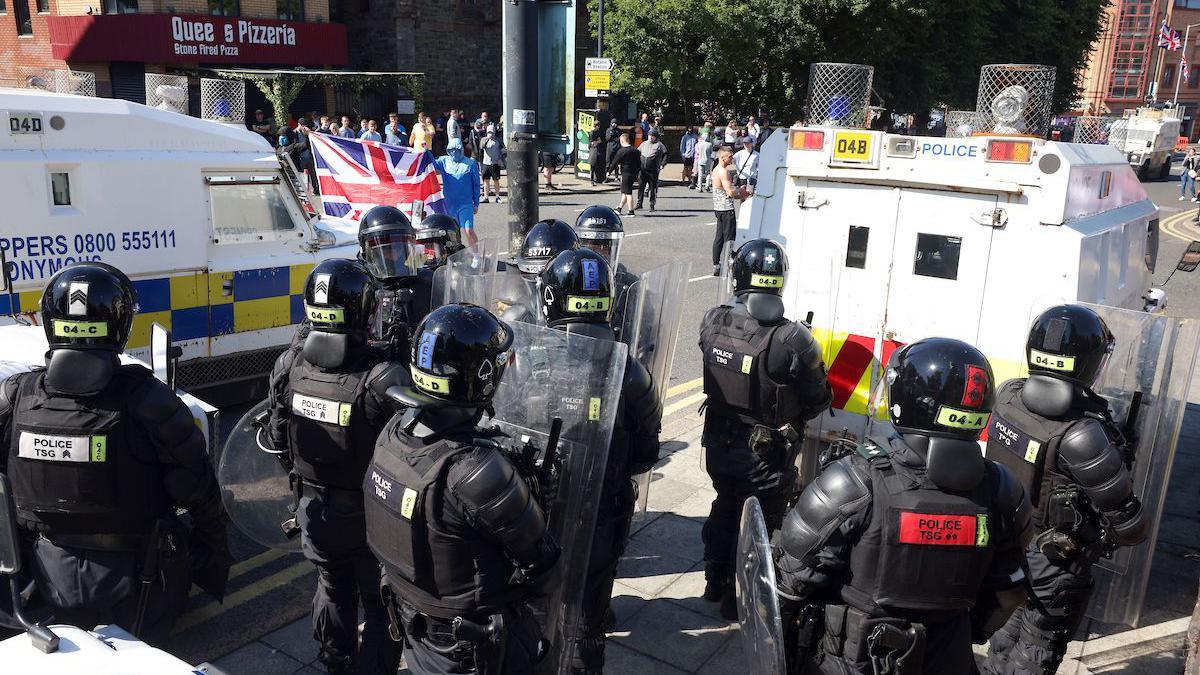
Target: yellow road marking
[(241, 597), (1173, 225), (250, 564), (681, 404), (685, 386)]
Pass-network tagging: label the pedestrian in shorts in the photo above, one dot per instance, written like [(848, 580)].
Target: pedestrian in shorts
[(629, 160)]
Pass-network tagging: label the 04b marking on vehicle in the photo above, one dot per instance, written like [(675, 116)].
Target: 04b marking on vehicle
[(852, 146), (937, 529)]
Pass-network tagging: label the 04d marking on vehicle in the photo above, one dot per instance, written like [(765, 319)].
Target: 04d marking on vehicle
[(80, 329), (960, 419), (430, 383), (51, 448), (1065, 364), (321, 410), (936, 529)]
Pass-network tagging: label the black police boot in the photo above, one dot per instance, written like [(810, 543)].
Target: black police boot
[(714, 589)]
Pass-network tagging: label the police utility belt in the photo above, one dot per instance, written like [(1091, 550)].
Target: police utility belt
[(890, 646), (461, 639)]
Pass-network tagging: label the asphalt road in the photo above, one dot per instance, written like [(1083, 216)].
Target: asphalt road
[(269, 589)]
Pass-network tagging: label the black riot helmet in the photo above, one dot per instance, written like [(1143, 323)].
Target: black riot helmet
[(576, 286), (545, 240), (759, 266), (389, 244), (439, 236), (459, 354), (940, 387), (1069, 342), (339, 297), (600, 229), (88, 305)]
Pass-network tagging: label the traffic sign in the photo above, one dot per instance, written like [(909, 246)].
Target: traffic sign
[(595, 63)]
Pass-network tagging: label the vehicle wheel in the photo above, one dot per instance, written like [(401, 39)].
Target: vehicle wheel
[(1143, 172)]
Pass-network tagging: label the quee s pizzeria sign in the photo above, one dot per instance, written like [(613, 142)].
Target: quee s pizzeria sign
[(176, 38)]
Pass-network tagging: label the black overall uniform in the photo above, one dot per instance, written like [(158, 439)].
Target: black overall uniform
[(329, 419), (633, 451), (880, 538), (765, 372), (92, 473), (1059, 440), (401, 306), (461, 540)]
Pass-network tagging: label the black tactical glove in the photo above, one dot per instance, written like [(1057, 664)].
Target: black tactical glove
[(210, 561)]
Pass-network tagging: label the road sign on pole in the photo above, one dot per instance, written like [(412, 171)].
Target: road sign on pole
[(597, 77)]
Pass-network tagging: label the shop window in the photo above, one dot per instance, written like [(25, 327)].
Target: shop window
[(21, 14), (224, 7), (290, 10), (120, 6), (856, 246), (60, 188), (43, 6), (3, 6), (937, 256)]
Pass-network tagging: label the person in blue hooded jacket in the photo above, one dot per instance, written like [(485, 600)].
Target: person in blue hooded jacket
[(460, 187)]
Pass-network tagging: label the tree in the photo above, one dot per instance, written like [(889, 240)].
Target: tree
[(744, 56)]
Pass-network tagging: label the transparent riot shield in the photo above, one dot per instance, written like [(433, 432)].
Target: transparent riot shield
[(725, 277), (469, 275), (575, 379), (254, 484), (759, 620), (1146, 381), (649, 325)]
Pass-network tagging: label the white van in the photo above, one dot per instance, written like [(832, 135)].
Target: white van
[(1147, 137), (201, 215)]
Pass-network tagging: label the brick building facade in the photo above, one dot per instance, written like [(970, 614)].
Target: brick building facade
[(456, 43)]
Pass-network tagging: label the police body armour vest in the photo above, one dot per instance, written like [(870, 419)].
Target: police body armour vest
[(925, 551), (329, 434), (442, 570), (77, 464), (1027, 444), (736, 379)]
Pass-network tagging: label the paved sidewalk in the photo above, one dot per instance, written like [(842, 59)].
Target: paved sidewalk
[(663, 626)]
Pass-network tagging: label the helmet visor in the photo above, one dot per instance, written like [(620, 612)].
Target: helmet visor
[(392, 255), (607, 244)]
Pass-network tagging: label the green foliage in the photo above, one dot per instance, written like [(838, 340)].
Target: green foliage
[(741, 56), (281, 89)]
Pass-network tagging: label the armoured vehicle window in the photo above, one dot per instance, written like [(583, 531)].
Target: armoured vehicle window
[(856, 246), (937, 256), (248, 209), (60, 188)]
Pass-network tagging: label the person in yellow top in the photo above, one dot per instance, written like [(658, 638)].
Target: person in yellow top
[(422, 133)]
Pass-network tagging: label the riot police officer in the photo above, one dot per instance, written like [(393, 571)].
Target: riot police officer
[(763, 379), (440, 237), (392, 256), (913, 542), (99, 455), (462, 541), (545, 240), (576, 296), (1058, 438), (601, 229), (327, 409)]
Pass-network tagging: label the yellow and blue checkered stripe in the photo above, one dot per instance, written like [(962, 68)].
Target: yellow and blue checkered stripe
[(206, 304)]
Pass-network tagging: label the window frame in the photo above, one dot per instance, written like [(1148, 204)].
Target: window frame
[(224, 7), (224, 180), (20, 6), (919, 252), (298, 15)]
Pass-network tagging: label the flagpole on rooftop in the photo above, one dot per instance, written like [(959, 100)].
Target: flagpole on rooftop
[(1161, 52), (1187, 32)]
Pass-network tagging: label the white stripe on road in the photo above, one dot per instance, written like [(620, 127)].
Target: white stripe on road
[(701, 278), (634, 234), (712, 223)]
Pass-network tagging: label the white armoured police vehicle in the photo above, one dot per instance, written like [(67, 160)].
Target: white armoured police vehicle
[(894, 238), (201, 215), (1147, 136)]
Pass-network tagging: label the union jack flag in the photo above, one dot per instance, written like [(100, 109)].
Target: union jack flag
[(1168, 38), (356, 175)]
